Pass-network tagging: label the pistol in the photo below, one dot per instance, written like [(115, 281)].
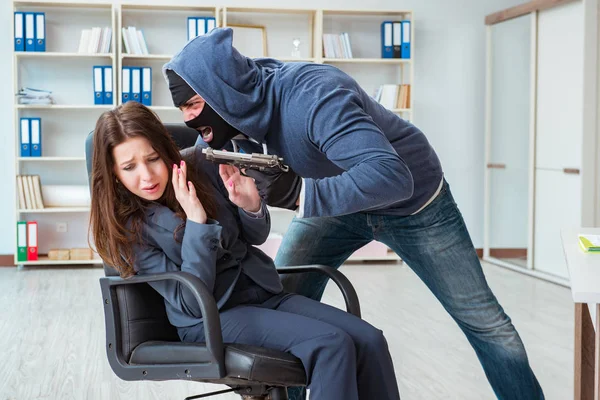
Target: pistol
[(260, 162)]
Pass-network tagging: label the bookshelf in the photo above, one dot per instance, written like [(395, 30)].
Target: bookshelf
[(69, 75), (55, 159), (64, 124)]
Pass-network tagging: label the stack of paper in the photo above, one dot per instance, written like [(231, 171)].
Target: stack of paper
[(34, 96)]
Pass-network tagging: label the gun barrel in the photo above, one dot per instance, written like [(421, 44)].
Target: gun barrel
[(245, 160)]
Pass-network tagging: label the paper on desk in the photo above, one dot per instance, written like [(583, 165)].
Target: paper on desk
[(589, 242)]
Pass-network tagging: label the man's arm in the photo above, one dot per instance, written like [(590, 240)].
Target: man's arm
[(374, 176)]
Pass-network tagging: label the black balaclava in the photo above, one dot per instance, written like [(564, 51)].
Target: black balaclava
[(181, 92)]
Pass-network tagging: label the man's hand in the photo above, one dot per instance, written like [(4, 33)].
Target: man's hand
[(277, 188)]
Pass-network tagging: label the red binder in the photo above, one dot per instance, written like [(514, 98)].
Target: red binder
[(32, 241)]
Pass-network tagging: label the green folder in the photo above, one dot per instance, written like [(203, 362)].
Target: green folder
[(21, 241)]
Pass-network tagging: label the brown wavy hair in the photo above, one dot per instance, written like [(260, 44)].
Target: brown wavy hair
[(117, 214)]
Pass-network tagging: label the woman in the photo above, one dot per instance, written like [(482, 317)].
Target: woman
[(154, 212)]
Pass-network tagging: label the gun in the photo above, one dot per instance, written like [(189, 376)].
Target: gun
[(260, 162)]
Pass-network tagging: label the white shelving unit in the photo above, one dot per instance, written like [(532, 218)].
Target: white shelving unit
[(69, 76), (66, 123), (35, 54), (54, 159)]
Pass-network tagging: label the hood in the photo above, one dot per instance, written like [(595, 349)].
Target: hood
[(238, 88)]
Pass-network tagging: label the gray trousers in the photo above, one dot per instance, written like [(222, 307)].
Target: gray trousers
[(344, 357)]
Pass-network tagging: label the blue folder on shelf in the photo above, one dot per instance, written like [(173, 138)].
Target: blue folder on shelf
[(40, 31), (200, 26), (35, 127), (98, 85), (192, 30), (147, 86), (19, 31), (136, 82), (29, 31), (387, 50), (108, 85), (25, 138), (126, 85), (405, 50), (211, 23)]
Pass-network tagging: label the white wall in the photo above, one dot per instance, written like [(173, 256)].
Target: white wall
[(448, 92)]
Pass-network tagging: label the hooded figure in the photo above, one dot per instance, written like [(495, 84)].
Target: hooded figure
[(367, 174), (317, 118)]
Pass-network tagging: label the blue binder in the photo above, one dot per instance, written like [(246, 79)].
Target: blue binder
[(386, 40), (126, 85), (19, 31), (200, 26), (405, 39), (211, 23), (108, 85), (25, 137), (147, 86), (29, 31), (136, 83), (40, 31), (35, 128), (98, 83), (192, 30)]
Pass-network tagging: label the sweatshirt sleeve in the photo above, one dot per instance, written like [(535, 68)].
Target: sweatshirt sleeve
[(374, 176), (199, 258)]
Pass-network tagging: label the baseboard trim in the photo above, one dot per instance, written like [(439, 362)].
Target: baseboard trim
[(504, 253), (7, 260)]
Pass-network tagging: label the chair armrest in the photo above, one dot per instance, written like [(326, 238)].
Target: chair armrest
[(343, 283), (208, 307)]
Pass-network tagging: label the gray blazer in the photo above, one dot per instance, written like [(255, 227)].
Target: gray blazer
[(215, 252)]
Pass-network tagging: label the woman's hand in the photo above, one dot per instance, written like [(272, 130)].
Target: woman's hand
[(242, 190), (185, 193)]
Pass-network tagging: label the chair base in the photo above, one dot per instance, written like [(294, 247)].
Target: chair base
[(250, 393)]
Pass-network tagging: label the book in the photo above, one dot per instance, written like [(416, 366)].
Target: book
[(589, 243)]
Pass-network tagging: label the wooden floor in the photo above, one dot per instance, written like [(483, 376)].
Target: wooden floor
[(52, 336)]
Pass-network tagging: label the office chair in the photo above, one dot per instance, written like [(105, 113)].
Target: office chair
[(141, 344)]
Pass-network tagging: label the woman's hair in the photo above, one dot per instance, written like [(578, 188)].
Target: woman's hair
[(116, 213)]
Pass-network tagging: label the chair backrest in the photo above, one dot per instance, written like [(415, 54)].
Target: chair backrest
[(139, 311)]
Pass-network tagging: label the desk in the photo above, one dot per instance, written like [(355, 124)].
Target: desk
[(584, 272)]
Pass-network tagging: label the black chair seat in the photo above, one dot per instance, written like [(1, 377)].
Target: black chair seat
[(251, 363)]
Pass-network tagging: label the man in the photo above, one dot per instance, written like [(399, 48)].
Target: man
[(360, 173)]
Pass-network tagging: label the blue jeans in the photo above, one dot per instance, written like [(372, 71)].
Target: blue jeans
[(435, 243)]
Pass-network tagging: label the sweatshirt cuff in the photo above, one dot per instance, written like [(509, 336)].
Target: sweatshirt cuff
[(300, 213)]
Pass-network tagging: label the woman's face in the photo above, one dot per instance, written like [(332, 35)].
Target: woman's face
[(140, 169)]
